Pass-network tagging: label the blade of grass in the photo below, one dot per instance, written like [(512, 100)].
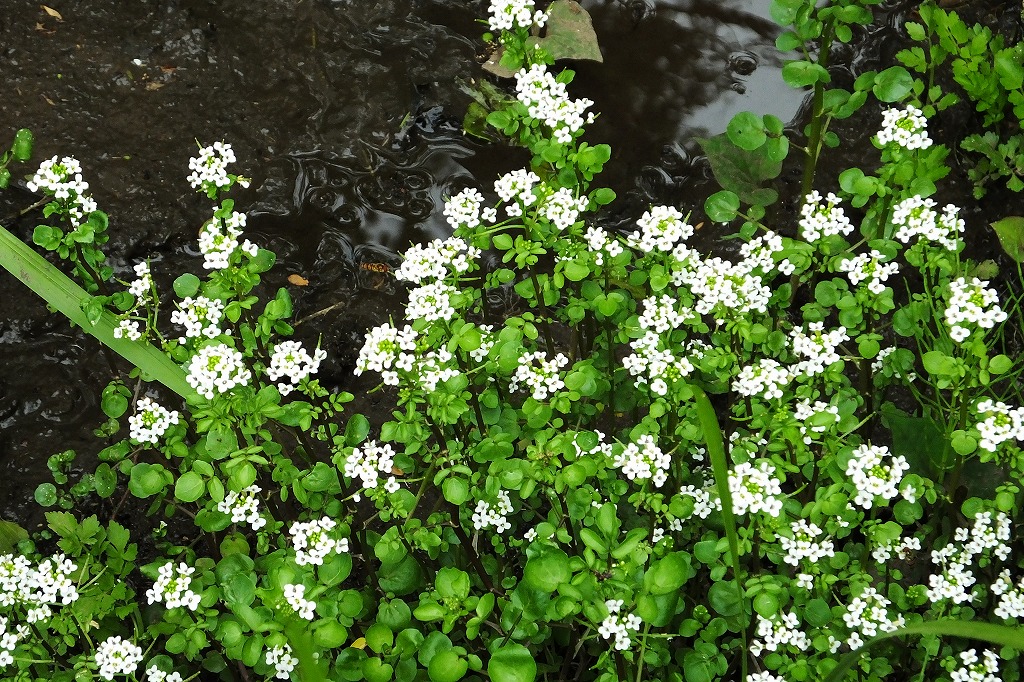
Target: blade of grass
[(720, 467), (1003, 635), (61, 293)]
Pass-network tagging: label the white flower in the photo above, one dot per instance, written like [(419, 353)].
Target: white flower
[(506, 15), (1001, 424), (618, 626), (142, 286), (291, 361), (755, 489), (867, 615), (779, 631), (644, 460), (660, 229), (244, 507), (548, 100), (368, 462), (818, 221), (436, 260), (463, 209), (723, 288), (915, 217), (217, 369), (804, 544), (818, 347), (516, 188), (971, 303), (150, 421), (907, 128), (973, 670), (209, 169), (870, 267), (218, 241), (387, 347), (155, 674), (766, 377), (486, 515), (563, 209), (313, 542), (116, 656), (431, 302), (284, 663), (172, 587), (200, 316), (127, 329), (871, 477), (63, 179), (295, 596), (539, 374)]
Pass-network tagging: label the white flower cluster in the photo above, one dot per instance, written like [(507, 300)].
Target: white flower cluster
[(660, 229), (431, 302), (433, 368), (658, 366), (385, 349), (244, 507), (155, 674), (904, 549), (209, 169), (217, 369), (1011, 599), (764, 676), (766, 377), (727, 288), (916, 217), (516, 188), (34, 588), (313, 542), (870, 267), (117, 656), (818, 347), (955, 580), (506, 15), (867, 615), (618, 625), (971, 303), (548, 100), (1001, 423), (779, 631), (600, 244), (644, 460), (563, 209), (293, 362), (871, 478), (295, 595), (486, 515), (759, 254), (755, 489), (150, 421), (284, 663), (200, 316), (819, 220), (218, 241), (463, 209), (63, 179), (907, 128), (813, 421), (976, 670), (436, 260), (127, 329), (804, 545), (539, 374), (9, 640), (704, 501), (172, 587), (142, 286), (369, 462)]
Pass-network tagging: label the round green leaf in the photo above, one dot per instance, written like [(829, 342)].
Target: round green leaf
[(447, 666), (893, 84), (721, 207), (746, 130), (547, 571), (190, 487), (186, 285), (46, 494), (455, 490), (512, 663)]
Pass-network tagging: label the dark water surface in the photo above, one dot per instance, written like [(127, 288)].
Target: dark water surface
[(347, 115)]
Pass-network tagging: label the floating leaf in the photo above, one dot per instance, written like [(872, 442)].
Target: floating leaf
[(1010, 231), (741, 171), (569, 33)]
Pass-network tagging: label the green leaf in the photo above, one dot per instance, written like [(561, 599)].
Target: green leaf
[(747, 131), (1010, 231), (455, 490), (893, 84), (10, 535), (801, 73), (46, 494), (447, 666), (104, 480), (547, 571), (569, 33), (357, 429), (190, 487), (741, 171), (667, 574), (512, 663), (186, 285), (721, 207)]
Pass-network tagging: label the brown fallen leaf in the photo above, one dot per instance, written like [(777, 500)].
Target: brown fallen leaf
[(155, 85), (49, 101), (168, 69), (52, 12), (45, 31), (298, 280)]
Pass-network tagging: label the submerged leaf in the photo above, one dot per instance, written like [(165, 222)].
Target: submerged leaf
[(1010, 231), (569, 33), (741, 171)]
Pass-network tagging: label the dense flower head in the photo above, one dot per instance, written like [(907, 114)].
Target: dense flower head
[(1001, 423), (867, 615), (295, 595), (817, 346), (37, 588), (804, 545), (654, 365), (172, 587), (907, 128), (507, 15), (766, 377), (209, 169), (872, 477), (292, 362), (431, 302), (778, 631), (142, 285), (905, 549), (660, 229), (618, 625), (200, 316), (1011, 597), (463, 209), (539, 375), (218, 241), (127, 329), (705, 501), (155, 674), (806, 412), (870, 267), (971, 303), (313, 542), (724, 288), (755, 489), (387, 347), (954, 580), (973, 669), (117, 656), (915, 218), (764, 676), (600, 244), (283, 661), (244, 507), (823, 218), (487, 515), (436, 260), (563, 209), (150, 421), (644, 460), (215, 369), (759, 254), (368, 462), (517, 188), (63, 179), (548, 100)]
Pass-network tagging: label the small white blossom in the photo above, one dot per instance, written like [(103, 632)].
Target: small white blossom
[(644, 460), (1001, 423), (368, 462), (172, 587), (660, 229), (867, 615), (244, 507), (907, 128), (975, 670), (295, 595), (618, 626), (869, 267), (755, 489), (818, 347), (507, 15), (150, 421), (218, 241), (436, 260), (818, 220), (463, 209), (804, 544), (63, 179), (200, 316), (313, 542), (487, 515), (294, 363), (209, 169), (539, 374), (871, 477), (117, 656), (517, 188), (971, 303), (766, 377), (217, 369), (548, 100), (284, 663)]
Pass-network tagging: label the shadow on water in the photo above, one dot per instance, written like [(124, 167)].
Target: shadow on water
[(347, 114)]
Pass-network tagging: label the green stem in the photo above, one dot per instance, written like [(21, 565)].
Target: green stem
[(817, 126)]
